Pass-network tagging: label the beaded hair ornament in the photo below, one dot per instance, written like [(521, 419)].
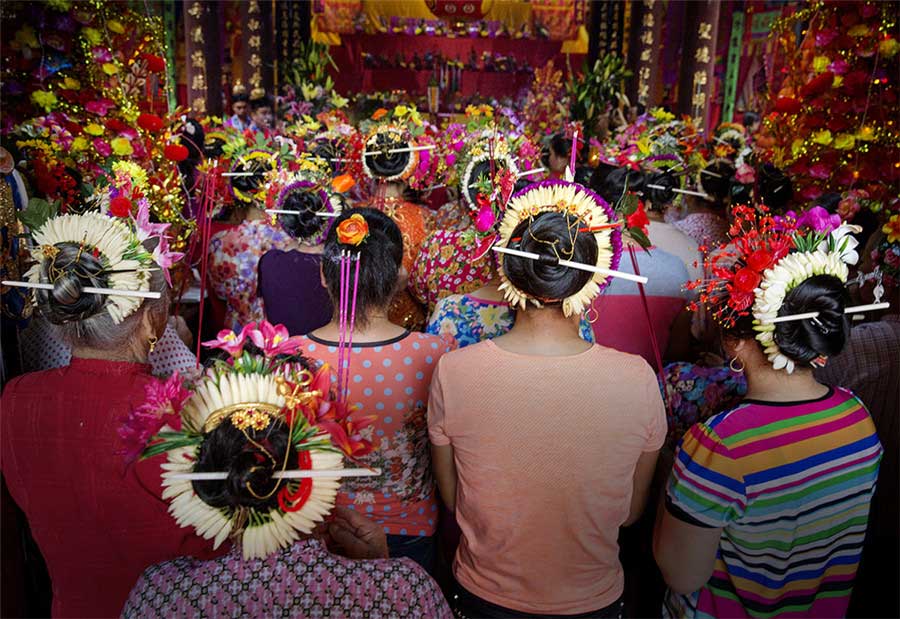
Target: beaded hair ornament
[(588, 213), (261, 386), (767, 257)]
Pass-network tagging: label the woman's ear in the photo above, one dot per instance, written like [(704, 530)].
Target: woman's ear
[(322, 277)]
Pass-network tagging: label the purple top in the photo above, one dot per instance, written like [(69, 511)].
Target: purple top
[(303, 580), (292, 291)]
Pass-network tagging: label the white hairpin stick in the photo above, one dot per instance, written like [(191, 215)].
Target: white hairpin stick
[(708, 173), (855, 309), (405, 149), (278, 211), (530, 172), (113, 292), (674, 190), (293, 474), (241, 173), (574, 265)]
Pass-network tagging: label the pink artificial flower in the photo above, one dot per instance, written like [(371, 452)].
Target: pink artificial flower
[(100, 107), (146, 230), (101, 54), (274, 339), (819, 170), (848, 207), (163, 401), (231, 342), (825, 36), (839, 67), (165, 258), (745, 174), (811, 192), (102, 147), (819, 220)]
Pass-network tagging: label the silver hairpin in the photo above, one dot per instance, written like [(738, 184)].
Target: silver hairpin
[(573, 265), (295, 474)]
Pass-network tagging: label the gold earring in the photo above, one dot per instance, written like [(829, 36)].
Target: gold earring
[(153, 341)]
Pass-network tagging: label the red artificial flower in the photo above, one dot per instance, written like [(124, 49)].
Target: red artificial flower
[(155, 64), (817, 85), (787, 105), (175, 152), (120, 206), (114, 124), (739, 300), (150, 122), (638, 219), (746, 280), (759, 261)]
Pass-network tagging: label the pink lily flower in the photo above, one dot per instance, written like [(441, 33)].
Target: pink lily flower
[(231, 342), (274, 339), (165, 258), (146, 230)]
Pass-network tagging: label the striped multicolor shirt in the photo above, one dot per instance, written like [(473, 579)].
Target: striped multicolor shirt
[(790, 485)]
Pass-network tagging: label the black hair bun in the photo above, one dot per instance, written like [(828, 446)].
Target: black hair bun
[(775, 188), (329, 152), (384, 161), (804, 340), (73, 270), (619, 181), (541, 235), (599, 177), (193, 137), (250, 183), (716, 180), (305, 223), (226, 448), (660, 197)]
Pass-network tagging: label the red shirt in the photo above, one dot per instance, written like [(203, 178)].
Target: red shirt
[(98, 522)]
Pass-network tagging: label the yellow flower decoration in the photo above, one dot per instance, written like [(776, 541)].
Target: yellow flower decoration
[(823, 137), (661, 115), (109, 68), (844, 141), (859, 30), (240, 420), (93, 129), (400, 111), (820, 63), (132, 171), (889, 47), (259, 421), (79, 143), (71, 83), (892, 229), (796, 146), (121, 147), (865, 134), (45, 99), (92, 35), (116, 26)]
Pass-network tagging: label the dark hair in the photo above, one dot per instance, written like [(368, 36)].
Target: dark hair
[(775, 188), (483, 168), (750, 118), (641, 109), (249, 184), (583, 175), (717, 187), (599, 176), (329, 151), (804, 340), (660, 197), (307, 201), (617, 181), (241, 98), (561, 145), (381, 256), (545, 281), (226, 448), (264, 101), (193, 137), (387, 164), (68, 302)]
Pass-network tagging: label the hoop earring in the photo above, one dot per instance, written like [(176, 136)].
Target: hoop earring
[(739, 370), (153, 341)]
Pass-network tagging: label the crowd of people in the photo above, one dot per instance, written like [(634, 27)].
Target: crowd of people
[(571, 379)]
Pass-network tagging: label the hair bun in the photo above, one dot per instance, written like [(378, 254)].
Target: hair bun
[(660, 197), (383, 160), (804, 340), (716, 179), (72, 270), (775, 188), (307, 201)]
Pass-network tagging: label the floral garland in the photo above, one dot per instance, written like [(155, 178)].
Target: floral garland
[(765, 258), (261, 382), (592, 212)]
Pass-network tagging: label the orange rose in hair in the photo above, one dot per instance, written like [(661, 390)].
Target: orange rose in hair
[(353, 230), (342, 183)]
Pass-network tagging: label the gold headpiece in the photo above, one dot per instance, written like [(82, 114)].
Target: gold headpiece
[(257, 93), (239, 89)]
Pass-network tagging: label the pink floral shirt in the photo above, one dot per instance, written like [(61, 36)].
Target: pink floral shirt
[(304, 580), (233, 260)]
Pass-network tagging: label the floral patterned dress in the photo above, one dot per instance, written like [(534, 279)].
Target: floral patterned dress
[(303, 580), (448, 265), (233, 260), (469, 320)]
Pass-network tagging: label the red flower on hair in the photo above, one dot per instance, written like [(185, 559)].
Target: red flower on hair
[(120, 206), (760, 260), (746, 280)]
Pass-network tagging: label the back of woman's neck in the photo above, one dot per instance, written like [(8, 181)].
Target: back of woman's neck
[(376, 328), (771, 385), (545, 332), (126, 356)]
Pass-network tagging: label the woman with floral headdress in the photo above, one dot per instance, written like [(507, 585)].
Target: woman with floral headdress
[(97, 519), (768, 503), (290, 278), (390, 162), (544, 444), (236, 445), (234, 253)]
